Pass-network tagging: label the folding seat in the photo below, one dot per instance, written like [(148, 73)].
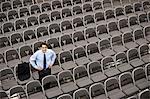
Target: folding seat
[(35, 9), (17, 92), (84, 1), (80, 55), (137, 7), (133, 22), (99, 17), (66, 26), (16, 40), (24, 11), (109, 66), (87, 8), (102, 31), (147, 71), (56, 4), (66, 3), (105, 47), (144, 52), (3, 17), (20, 24), (81, 93), (96, 72), (56, 68), (34, 90), (146, 5), (6, 6), (32, 21), (12, 14), (113, 29), (126, 84), (145, 94), (29, 36), (75, 2), (116, 3), (54, 30), (55, 15), (134, 58), (124, 2), (44, 19), (7, 79), (119, 12), (146, 31), (123, 25), (89, 20), (25, 52), (2, 62), (91, 35), (128, 40), (54, 44), (107, 4), (132, 97), (78, 23), (97, 5), (117, 44), (77, 10), (66, 81), (5, 43), (45, 6), (51, 87), (143, 19), (128, 9), (3, 95), (66, 13), (36, 45), (12, 57), (27, 2), (93, 52), (79, 38), (42, 33), (65, 96), (38, 1), (8, 27), (66, 60), (109, 14), (17, 4), (112, 88), (122, 62), (139, 78), (66, 42), (139, 37)]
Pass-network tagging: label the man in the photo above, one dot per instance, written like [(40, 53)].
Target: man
[(42, 60)]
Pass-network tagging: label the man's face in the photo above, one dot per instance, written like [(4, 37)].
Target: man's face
[(44, 48)]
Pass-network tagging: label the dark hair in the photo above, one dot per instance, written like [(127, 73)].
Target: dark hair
[(43, 43)]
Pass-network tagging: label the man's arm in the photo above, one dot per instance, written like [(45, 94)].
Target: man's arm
[(52, 60)]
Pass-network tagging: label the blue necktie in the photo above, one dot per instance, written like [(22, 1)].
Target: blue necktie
[(44, 62)]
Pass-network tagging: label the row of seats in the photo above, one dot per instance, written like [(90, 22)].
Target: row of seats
[(121, 86)]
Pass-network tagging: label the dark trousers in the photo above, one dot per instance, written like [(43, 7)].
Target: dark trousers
[(44, 73)]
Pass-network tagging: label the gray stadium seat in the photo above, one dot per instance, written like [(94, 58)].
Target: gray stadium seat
[(66, 3), (17, 4), (3, 95), (81, 93), (32, 21), (143, 19), (78, 23), (5, 6), (5, 43), (24, 12), (45, 7), (56, 4), (27, 2), (147, 71), (99, 17), (13, 14), (145, 94), (35, 9), (3, 17), (146, 31), (65, 96), (2, 62), (66, 26), (44, 19)]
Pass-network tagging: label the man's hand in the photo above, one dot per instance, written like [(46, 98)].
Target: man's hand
[(39, 68), (49, 66)]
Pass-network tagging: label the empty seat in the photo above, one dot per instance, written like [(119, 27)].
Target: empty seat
[(124, 2), (128, 8), (122, 62), (16, 40), (54, 30), (32, 21), (93, 52), (81, 76), (80, 56), (145, 94), (76, 2), (97, 5), (34, 90), (45, 6), (24, 12), (143, 19), (66, 26), (5, 43), (99, 17), (81, 93), (147, 71), (20, 24), (36, 45), (137, 7), (17, 4), (3, 95), (116, 3), (78, 23), (65, 96), (146, 31), (109, 67), (87, 8), (77, 10), (66, 13), (119, 12), (51, 87), (145, 5), (96, 91), (133, 57), (8, 27), (66, 81), (7, 79), (44, 19), (35, 9), (5, 6), (66, 60), (3, 17), (79, 38), (139, 78), (2, 62), (66, 3), (12, 14), (128, 40), (107, 4), (112, 88), (127, 84), (56, 68), (117, 44), (56, 4), (96, 72), (66, 42), (109, 14), (12, 57), (105, 47), (27, 2)]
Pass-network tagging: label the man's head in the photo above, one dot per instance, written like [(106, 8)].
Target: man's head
[(44, 47)]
